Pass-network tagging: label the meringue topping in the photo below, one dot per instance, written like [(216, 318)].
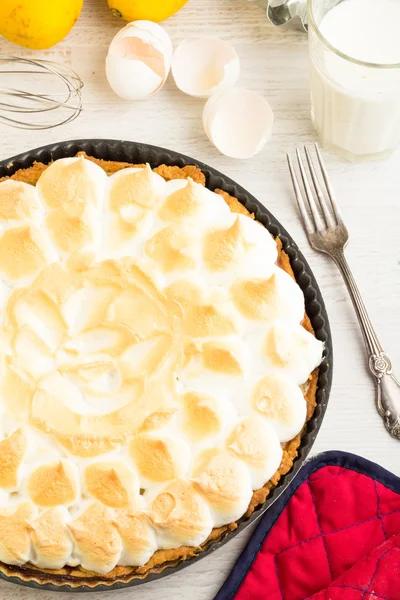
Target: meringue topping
[(257, 444), (96, 537), (278, 297), (12, 452), (180, 516), (184, 204), (224, 247), (134, 187), (291, 348), (24, 251), (138, 537), (51, 538), (68, 233), (111, 483), (224, 482), (169, 248), (15, 530), (71, 183), (150, 363), (280, 400), (53, 484), (240, 247), (159, 457), (18, 201), (203, 416), (221, 358)]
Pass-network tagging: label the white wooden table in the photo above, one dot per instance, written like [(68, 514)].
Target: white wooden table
[(275, 63)]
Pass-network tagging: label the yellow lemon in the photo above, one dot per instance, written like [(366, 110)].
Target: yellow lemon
[(38, 24), (148, 10)]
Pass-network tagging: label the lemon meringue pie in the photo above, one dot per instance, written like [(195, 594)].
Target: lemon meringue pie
[(157, 366)]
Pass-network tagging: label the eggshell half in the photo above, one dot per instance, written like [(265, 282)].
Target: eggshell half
[(205, 66), (139, 60), (238, 122), (148, 30)]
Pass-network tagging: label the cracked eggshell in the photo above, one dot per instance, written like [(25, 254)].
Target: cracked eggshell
[(139, 60), (205, 66), (238, 122)]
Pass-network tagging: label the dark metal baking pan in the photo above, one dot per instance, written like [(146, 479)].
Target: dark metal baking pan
[(132, 152)]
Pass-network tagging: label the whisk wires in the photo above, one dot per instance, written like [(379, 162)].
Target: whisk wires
[(59, 103)]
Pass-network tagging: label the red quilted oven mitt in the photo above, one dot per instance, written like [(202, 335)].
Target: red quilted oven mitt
[(334, 534)]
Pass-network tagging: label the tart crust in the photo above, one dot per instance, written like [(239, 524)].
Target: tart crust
[(75, 577)]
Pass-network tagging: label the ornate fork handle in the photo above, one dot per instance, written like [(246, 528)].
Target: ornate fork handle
[(380, 365)]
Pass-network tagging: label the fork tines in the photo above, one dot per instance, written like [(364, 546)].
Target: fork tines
[(325, 213)]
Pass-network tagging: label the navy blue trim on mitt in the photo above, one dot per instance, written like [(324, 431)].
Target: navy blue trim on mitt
[(333, 458)]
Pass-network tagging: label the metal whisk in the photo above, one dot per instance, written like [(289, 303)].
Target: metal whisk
[(51, 93)]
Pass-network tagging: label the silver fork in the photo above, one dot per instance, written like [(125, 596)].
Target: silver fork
[(327, 233)]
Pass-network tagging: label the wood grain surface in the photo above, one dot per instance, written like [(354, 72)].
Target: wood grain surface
[(275, 63)]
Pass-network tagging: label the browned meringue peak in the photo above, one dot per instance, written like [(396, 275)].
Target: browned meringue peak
[(256, 443), (180, 515), (293, 349), (209, 321), (202, 416), (280, 400), (15, 542), (35, 310), (159, 456), (158, 419), (269, 299), (270, 399), (130, 187), (137, 535), (224, 247), (18, 201), (96, 538), (51, 539), (12, 452), (256, 298), (15, 390), (68, 233), (170, 249), (224, 482), (222, 357), (185, 205), (53, 484), (112, 483), (24, 251), (71, 183)]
